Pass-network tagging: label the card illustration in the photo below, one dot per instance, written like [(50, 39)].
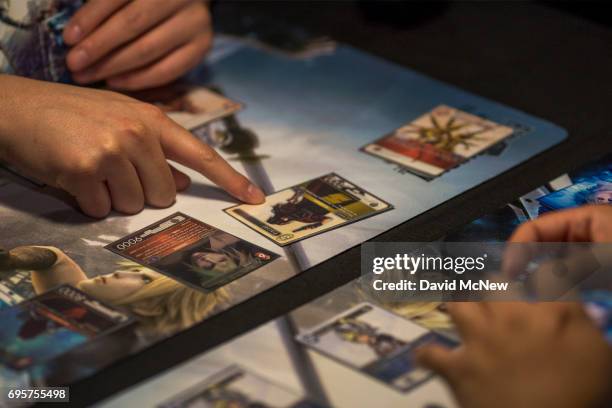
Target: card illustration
[(438, 141), (236, 387), (308, 209), (190, 106), (51, 324), (587, 192), (192, 252), (376, 342)]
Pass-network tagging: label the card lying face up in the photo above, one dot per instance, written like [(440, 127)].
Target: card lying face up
[(190, 106), (308, 209), (192, 252), (236, 387), (375, 342), (51, 324), (438, 141)]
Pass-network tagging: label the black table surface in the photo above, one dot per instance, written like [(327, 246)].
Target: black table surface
[(551, 60)]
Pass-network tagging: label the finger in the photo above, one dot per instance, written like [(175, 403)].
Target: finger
[(181, 180), (165, 70), (516, 258), (471, 318), (182, 147), (125, 188), (92, 196), (161, 40), (88, 17), (128, 23), (438, 359), (587, 223), (155, 175)]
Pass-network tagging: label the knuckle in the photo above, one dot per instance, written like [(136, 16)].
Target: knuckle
[(84, 168), (133, 129), (141, 51), (208, 155), (135, 20), (153, 112), (110, 150)]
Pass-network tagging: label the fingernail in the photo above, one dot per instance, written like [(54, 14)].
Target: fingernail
[(255, 195), (72, 34), (79, 59)]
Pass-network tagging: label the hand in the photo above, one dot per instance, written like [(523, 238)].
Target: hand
[(524, 355), (590, 223), (106, 149), (137, 44)]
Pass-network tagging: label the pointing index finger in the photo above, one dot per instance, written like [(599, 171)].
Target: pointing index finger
[(184, 148)]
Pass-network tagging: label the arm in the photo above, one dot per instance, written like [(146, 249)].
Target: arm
[(107, 150)]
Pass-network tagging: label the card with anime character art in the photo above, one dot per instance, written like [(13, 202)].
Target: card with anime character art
[(192, 252), (438, 141), (587, 192), (51, 324), (375, 342), (309, 208)]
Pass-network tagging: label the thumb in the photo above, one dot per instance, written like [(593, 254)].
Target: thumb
[(182, 147)]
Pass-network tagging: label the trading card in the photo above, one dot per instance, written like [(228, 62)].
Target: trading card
[(530, 201), (192, 251), (308, 209), (560, 182), (51, 324), (198, 106), (586, 192), (376, 342), (236, 387), (438, 141), (430, 315), (190, 106), (15, 287)]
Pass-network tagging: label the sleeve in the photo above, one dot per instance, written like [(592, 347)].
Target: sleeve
[(31, 38)]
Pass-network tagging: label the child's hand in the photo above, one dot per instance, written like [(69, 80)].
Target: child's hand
[(106, 149), (524, 355), (137, 44)]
